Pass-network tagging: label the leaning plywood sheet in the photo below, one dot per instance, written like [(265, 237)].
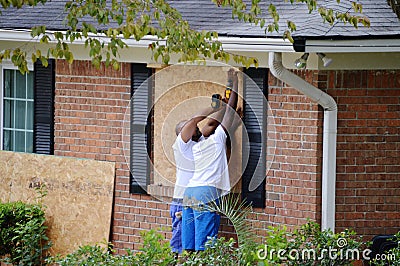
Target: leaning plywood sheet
[(79, 199)]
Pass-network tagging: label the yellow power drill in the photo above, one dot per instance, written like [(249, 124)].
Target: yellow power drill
[(228, 89), (216, 98)]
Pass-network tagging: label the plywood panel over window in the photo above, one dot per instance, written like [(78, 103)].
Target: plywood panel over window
[(180, 92)]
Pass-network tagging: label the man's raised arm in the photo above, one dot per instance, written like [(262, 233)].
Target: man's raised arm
[(189, 127), (232, 102)]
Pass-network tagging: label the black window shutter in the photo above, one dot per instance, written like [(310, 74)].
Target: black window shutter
[(140, 138), (44, 85), (255, 122)]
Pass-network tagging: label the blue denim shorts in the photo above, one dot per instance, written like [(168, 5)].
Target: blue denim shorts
[(176, 239), (198, 226)]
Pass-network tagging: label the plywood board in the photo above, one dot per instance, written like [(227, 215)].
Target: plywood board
[(79, 200), (180, 92)]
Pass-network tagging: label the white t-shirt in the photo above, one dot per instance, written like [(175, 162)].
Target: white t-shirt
[(184, 164), (211, 165)]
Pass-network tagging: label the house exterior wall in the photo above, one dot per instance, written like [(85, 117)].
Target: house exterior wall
[(89, 111), (294, 180), (368, 144)]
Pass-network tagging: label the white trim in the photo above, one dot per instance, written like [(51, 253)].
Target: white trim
[(17, 99), (247, 44), (256, 44), (24, 35), (19, 130), (7, 64), (228, 43), (353, 46)]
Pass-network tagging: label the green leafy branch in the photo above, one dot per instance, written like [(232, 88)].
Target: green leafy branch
[(255, 15), (105, 26), (19, 3)]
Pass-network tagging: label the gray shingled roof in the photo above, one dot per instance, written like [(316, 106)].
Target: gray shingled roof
[(204, 15)]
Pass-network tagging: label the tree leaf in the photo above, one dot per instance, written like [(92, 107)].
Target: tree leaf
[(137, 18)]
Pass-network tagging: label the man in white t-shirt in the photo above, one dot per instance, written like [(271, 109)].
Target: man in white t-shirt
[(184, 161), (210, 179)]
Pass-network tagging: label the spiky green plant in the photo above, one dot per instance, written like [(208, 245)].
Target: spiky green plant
[(236, 210)]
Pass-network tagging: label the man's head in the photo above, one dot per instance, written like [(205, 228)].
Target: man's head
[(196, 135)]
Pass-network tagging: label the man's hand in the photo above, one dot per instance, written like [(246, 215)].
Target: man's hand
[(233, 78), (178, 215), (231, 74)]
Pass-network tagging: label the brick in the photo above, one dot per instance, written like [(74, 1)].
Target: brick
[(354, 216)]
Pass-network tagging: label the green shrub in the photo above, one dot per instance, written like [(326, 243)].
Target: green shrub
[(308, 246), (91, 256), (220, 252), (23, 233), (155, 251)]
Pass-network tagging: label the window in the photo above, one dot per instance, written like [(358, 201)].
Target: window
[(255, 122), (140, 128), (141, 136), (27, 113), (17, 111)]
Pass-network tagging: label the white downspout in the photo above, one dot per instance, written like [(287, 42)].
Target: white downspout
[(329, 134)]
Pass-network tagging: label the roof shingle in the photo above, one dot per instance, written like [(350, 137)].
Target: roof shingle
[(205, 15)]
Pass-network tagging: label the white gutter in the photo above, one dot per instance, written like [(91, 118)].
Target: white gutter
[(329, 135), (248, 44), (352, 46), (228, 43), (24, 35), (256, 44)]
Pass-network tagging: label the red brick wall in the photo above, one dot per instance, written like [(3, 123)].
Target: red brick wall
[(89, 111), (90, 106), (293, 182), (368, 161)]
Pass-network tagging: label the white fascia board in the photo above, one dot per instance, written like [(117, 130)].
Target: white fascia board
[(25, 36), (256, 44), (228, 43), (248, 44), (352, 46), (15, 35)]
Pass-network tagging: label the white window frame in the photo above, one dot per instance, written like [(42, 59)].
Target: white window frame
[(6, 65)]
